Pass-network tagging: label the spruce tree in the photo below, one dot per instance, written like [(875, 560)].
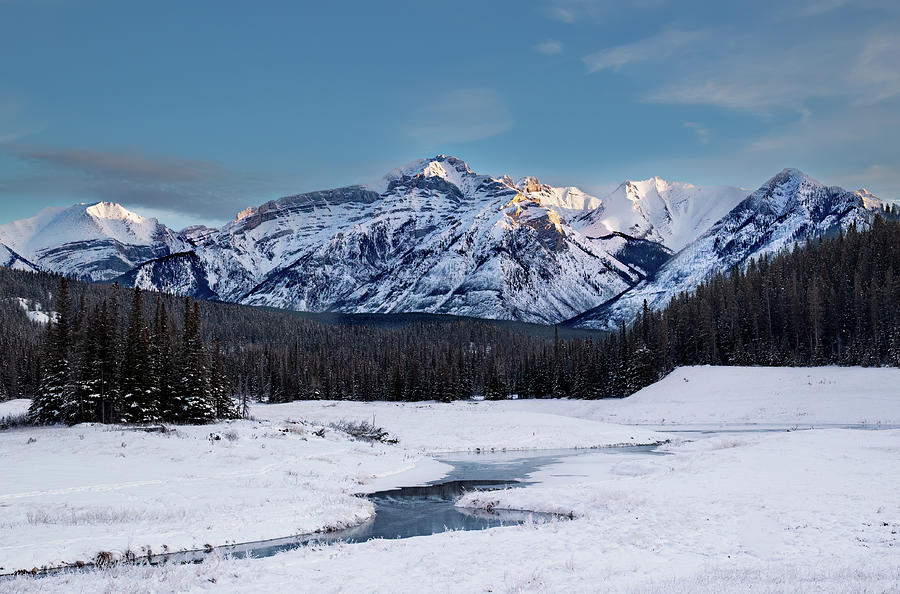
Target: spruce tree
[(193, 377), (167, 394), (138, 402), (220, 390), (88, 392), (53, 402)]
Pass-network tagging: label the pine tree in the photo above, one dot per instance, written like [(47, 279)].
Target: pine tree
[(89, 386), (220, 390), (170, 402), (53, 402), (138, 402), (641, 372), (110, 354), (193, 379)]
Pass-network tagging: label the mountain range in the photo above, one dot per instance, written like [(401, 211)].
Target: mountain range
[(434, 236)]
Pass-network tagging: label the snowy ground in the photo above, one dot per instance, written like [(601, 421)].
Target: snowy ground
[(436, 427), (14, 408), (731, 396), (70, 492), (805, 511)]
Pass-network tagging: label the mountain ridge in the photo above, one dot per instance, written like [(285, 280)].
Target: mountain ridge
[(434, 236), (789, 207)]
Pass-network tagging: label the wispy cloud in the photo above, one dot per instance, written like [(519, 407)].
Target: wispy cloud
[(462, 115), (125, 165), (656, 48), (704, 134), (765, 66), (876, 72), (575, 11), (165, 183), (549, 47), (807, 8)]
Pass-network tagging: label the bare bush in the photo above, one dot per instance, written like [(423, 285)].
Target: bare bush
[(363, 430)]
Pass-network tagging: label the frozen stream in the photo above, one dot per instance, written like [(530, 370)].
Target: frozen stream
[(421, 510), (428, 509)]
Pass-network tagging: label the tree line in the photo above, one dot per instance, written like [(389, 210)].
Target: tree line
[(827, 302), (99, 366), (159, 357)]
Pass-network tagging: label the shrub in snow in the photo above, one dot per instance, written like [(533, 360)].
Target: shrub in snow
[(363, 430)]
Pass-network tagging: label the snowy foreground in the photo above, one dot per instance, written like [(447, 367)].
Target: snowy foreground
[(768, 511), (71, 492)]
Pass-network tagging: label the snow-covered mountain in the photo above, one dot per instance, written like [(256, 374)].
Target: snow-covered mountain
[(789, 207), (10, 259), (431, 236), (670, 213), (88, 241), (434, 236)]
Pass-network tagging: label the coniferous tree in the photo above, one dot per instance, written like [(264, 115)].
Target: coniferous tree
[(220, 390), (170, 402), (136, 384), (53, 402), (193, 376)]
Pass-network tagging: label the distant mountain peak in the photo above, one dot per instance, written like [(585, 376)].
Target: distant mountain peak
[(529, 184), (437, 166), (870, 200), (113, 210), (95, 241)]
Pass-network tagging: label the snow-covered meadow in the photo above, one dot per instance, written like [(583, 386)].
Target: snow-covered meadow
[(813, 510), (71, 492)]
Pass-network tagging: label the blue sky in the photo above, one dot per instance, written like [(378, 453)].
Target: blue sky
[(191, 110)]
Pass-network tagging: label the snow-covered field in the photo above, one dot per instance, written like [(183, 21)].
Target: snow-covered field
[(745, 396), (803, 511), (437, 427), (69, 493)]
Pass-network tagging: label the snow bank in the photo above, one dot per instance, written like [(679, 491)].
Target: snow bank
[(35, 312), (14, 408), (460, 426)]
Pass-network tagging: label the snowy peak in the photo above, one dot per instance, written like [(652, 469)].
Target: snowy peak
[(666, 212), (790, 207), (570, 201), (450, 169), (93, 241), (788, 187), (111, 210), (528, 184), (793, 193), (53, 227), (870, 200)]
